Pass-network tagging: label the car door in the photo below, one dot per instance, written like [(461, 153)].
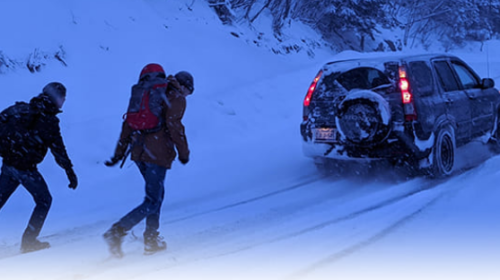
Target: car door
[(457, 102), (481, 100), (428, 101)]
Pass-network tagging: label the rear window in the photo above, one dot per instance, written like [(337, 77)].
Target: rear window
[(362, 78), (357, 78)]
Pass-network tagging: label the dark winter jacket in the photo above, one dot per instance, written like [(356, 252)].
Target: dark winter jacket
[(159, 147), (43, 133)]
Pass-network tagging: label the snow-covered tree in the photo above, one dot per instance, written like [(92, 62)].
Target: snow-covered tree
[(349, 23)]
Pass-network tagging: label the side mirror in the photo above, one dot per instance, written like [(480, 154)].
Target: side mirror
[(487, 83)]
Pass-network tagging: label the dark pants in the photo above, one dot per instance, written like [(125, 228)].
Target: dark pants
[(10, 179), (154, 176)]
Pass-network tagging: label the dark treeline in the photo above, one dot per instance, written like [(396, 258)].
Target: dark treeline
[(351, 24)]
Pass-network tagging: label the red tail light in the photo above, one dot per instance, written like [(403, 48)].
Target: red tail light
[(406, 96), (404, 85), (312, 87)]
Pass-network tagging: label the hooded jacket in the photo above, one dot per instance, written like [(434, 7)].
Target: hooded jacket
[(42, 133), (159, 147)]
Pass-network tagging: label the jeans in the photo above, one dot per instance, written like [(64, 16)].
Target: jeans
[(154, 175), (10, 179)]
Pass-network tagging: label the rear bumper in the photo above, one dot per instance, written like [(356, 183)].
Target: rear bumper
[(392, 150), (399, 145)]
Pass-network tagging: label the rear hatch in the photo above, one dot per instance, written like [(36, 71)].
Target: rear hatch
[(362, 94)]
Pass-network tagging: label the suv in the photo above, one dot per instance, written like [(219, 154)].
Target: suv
[(412, 110)]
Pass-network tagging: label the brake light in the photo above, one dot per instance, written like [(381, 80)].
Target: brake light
[(406, 96), (404, 85), (312, 88)]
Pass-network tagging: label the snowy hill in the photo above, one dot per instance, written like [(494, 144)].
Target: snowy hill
[(249, 205)]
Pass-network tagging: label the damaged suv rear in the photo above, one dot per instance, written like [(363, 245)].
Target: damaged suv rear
[(413, 110)]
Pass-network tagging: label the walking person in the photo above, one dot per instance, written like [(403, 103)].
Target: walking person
[(27, 131), (152, 132)]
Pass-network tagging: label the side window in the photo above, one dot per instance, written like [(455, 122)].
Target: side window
[(421, 77), (466, 77), (445, 75)]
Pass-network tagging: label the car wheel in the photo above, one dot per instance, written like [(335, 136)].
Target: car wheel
[(443, 153)]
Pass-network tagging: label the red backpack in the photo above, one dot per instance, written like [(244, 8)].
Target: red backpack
[(148, 100)]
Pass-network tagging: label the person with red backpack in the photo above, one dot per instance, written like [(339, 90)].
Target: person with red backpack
[(151, 133)]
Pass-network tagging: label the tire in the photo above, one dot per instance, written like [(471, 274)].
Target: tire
[(363, 118), (443, 153)]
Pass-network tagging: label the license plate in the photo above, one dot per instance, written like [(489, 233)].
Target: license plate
[(325, 134)]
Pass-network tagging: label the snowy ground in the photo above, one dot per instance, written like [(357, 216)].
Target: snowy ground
[(249, 205)]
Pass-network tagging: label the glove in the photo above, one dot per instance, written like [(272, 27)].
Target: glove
[(112, 162), (184, 160), (73, 180)]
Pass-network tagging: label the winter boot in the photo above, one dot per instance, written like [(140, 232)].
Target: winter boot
[(114, 238), (153, 243), (33, 245)]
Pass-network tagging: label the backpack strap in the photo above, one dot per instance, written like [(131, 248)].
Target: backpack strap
[(163, 96)]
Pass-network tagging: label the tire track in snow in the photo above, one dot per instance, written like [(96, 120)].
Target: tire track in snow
[(230, 251), (382, 233), (209, 255), (365, 243), (343, 218), (295, 186), (176, 257), (247, 201)]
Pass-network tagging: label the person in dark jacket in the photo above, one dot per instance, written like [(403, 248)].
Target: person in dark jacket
[(153, 153), (41, 133)]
